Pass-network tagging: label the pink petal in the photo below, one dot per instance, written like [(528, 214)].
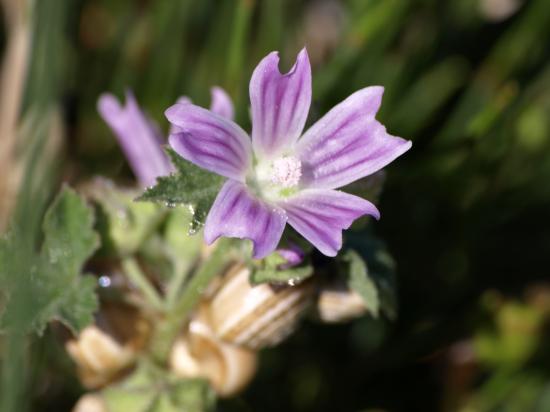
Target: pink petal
[(348, 143), (280, 103), (210, 141), (221, 103), (320, 215), (237, 213), (138, 137)]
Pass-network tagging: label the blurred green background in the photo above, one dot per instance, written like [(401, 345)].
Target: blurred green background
[(466, 213)]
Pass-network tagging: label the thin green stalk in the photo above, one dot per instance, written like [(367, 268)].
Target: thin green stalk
[(175, 285), (206, 272), (169, 329), (138, 278)]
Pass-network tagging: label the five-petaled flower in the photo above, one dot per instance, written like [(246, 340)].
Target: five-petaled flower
[(281, 176)]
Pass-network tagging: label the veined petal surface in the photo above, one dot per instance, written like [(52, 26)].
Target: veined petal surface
[(348, 143), (320, 215), (237, 213), (280, 103), (210, 141)]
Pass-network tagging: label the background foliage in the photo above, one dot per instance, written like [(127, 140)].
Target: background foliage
[(465, 213)]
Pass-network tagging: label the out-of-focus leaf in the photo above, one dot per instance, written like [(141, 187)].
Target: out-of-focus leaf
[(380, 269), (190, 186), (360, 281), (69, 241), (514, 333), (53, 277), (427, 96), (150, 390), (123, 224), (69, 237), (182, 248)]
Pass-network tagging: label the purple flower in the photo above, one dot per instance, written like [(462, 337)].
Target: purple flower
[(293, 255), (140, 138), (278, 177)]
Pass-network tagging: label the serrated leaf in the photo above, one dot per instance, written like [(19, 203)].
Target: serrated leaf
[(76, 307), (69, 236), (190, 186), (50, 282), (361, 282), (269, 270)]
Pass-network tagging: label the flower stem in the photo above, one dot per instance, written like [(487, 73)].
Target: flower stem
[(138, 278), (175, 285), (178, 316)]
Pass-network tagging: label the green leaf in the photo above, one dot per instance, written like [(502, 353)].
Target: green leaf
[(190, 186), (151, 389), (269, 270), (123, 224), (193, 395), (50, 282), (360, 281), (380, 269), (77, 305), (70, 240), (69, 236)]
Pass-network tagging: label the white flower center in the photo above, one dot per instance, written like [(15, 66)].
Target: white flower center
[(275, 179), (286, 171)]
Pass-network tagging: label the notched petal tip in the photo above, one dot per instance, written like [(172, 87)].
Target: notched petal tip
[(348, 143), (370, 98), (302, 59), (279, 102)]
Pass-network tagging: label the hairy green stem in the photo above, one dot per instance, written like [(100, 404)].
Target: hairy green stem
[(169, 328), (139, 279), (176, 284)]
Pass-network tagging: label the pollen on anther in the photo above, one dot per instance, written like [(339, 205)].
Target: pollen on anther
[(286, 171)]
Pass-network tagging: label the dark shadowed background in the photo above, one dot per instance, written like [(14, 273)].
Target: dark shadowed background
[(465, 213)]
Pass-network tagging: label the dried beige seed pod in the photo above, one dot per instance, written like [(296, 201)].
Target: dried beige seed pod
[(257, 316), (98, 356), (338, 303), (90, 403), (200, 353)]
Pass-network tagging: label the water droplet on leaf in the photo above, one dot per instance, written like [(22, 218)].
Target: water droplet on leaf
[(104, 281)]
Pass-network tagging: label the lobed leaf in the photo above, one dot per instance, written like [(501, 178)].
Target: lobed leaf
[(50, 281), (190, 186)]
